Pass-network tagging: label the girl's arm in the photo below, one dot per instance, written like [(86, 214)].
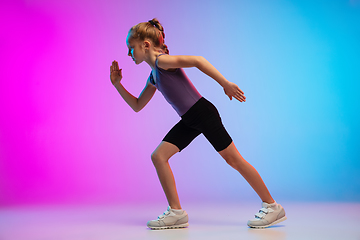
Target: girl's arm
[(135, 103), (231, 89)]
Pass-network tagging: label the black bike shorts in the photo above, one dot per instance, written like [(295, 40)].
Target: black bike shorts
[(204, 118)]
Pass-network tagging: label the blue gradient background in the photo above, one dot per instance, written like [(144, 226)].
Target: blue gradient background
[(66, 136)]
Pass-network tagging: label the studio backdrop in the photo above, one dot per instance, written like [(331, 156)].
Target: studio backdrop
[(66, 135)]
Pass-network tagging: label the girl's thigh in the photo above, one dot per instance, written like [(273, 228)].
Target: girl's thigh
[(181, 135)]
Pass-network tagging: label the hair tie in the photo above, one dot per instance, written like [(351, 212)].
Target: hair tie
[(152, 23)]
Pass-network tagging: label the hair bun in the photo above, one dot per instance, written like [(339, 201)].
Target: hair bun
[(154, 22)]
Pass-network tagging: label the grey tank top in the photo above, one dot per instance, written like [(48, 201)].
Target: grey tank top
[(176, 88)]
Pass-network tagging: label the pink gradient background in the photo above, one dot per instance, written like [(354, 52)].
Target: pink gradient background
[(66, 136)]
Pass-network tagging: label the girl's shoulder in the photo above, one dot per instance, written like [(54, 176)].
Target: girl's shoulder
[(157, 59), (162, 69)]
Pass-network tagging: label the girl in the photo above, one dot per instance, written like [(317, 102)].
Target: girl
[(146, 43)]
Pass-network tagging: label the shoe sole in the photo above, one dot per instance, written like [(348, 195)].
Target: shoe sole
[(184, 225), (273, 223)]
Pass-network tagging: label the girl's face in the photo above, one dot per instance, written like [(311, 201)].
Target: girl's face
[(136, 50)]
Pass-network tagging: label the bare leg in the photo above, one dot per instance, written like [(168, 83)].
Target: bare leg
[(160, 158), (234, 159)]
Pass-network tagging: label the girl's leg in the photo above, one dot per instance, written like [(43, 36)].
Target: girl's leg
[(234, 159), (160, 158)]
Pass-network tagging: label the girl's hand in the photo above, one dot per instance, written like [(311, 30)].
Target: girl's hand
[(232, 90), (115, 73)]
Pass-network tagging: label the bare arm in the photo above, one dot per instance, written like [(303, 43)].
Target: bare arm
[(181, 61), (135, 103)]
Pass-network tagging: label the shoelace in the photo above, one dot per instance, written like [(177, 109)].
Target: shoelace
[(262, 212)]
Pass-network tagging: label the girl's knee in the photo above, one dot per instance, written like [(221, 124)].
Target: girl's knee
[(232, 156), (229, 154), (157, 158), (163, 153), (231, 160), (154, 156)]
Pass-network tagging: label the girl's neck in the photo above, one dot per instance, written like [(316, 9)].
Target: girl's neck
[(151, 59)]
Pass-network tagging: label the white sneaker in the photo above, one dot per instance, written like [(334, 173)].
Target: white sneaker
[(268, 215), (171, 218)]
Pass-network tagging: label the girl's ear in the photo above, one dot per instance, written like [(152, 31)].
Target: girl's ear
[(146, 45)]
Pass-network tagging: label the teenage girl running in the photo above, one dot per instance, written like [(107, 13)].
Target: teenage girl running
[(146, 43)]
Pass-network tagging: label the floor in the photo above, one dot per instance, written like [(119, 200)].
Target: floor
[(305, 221)]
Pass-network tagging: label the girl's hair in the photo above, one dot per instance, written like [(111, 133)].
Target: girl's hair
[(152, 30)]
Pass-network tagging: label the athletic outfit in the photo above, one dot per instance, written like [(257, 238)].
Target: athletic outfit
[(198, 115)]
